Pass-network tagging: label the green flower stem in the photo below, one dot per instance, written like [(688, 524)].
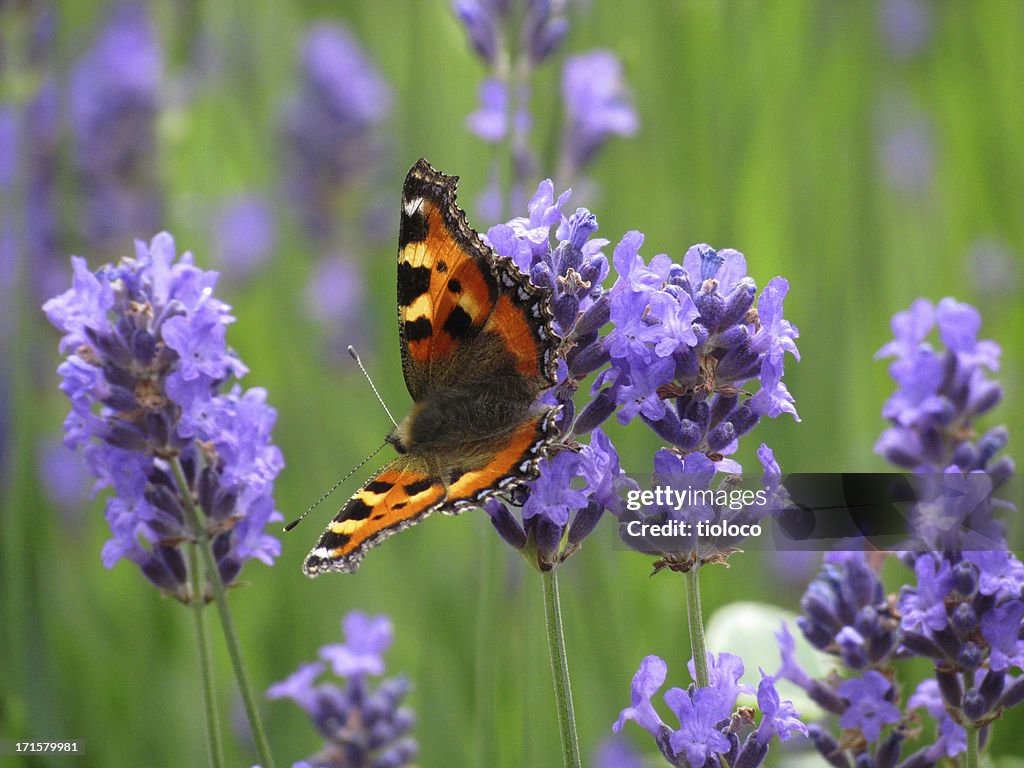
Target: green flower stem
[(696, 621), (214, 745), (226, 620), (971, 757), (560, 671)]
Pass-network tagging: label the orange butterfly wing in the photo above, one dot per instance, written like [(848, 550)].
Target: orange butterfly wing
[(396, 497), (477, 341)]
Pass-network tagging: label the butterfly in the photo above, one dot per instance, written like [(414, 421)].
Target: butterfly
[(478, 348)]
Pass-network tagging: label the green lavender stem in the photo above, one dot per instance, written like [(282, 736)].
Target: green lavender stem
[(971, 757), (560, 671), (226, 620), (695, 617), (213, 737)]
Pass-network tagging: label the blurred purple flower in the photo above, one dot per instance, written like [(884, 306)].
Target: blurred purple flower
[(64, 478), (490, 121), (486, 23), (9, 144), (482, 18), (144, 372), (366, 639), (845, 613), (244, 234), (905, 25), (544, 28), (504, 114), (597, 105), (114, 103), (334, 298), (907, 152), (615, 752), (361, 725), (332, 125), (41, 165), (993, 268)]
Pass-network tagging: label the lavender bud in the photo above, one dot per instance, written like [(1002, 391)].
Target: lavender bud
[(595, 412)]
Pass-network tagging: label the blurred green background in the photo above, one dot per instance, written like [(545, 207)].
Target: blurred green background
[(796, 132)]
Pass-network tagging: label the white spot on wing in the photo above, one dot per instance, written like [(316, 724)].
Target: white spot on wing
[(413, 205)]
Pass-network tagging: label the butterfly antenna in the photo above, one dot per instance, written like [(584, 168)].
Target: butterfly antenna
[(355, 356), (334, 487)]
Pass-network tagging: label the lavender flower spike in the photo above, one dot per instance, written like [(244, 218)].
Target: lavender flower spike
[(597, 105), (710, 726), (114, 104), (362, 725), (146, 363)]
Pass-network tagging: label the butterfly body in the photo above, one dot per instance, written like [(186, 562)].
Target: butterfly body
[(478, 348)]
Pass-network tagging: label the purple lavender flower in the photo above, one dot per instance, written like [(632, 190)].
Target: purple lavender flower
[(778, 717), (845, 613), (597, 105), (1000, 573), (555, 516), (709, 729), (709, 520), (676, 356), (10, 143), (482, 20), (512, 37), (331, 127), (31, 151), (114, 104), (870, 704), (964, 609), (646, 682), (366, 638), (488, 24), (924, 605), (1001, 628), (712, 333), (9, 140), (972, 637), (952, 738), (490, 121), (939, 391), (543, 30), (146, 363), (362, 725)]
